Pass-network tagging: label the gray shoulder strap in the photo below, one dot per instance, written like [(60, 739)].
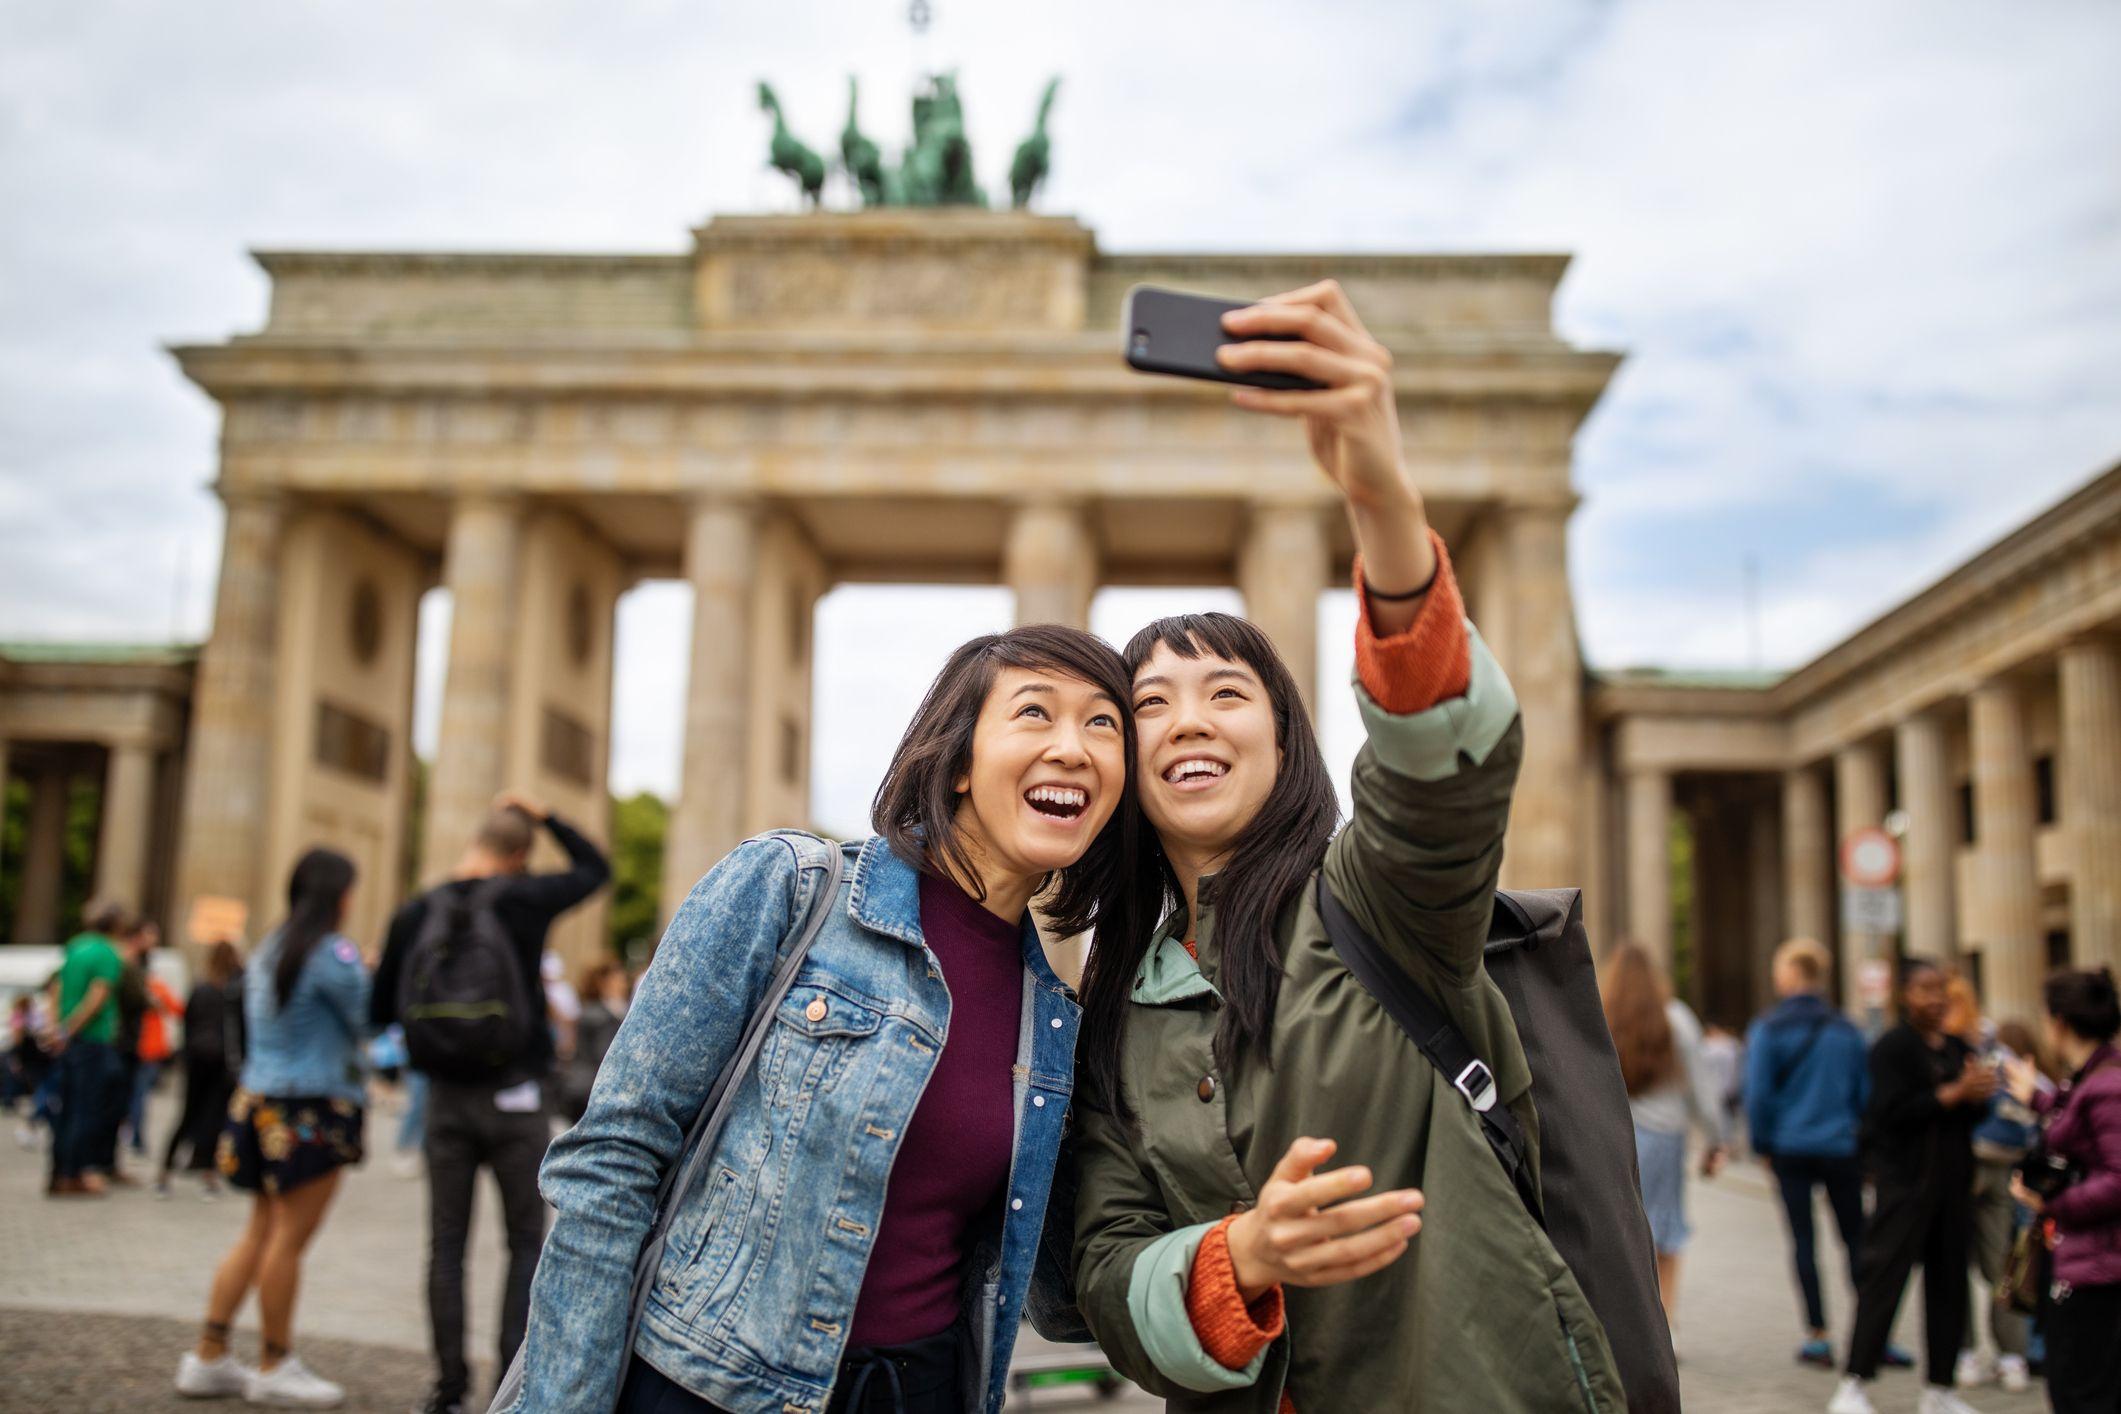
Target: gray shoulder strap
[(714, 1112)]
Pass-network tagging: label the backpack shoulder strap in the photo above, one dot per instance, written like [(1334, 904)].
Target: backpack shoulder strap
[(1795, 1061), (1438, 1039)]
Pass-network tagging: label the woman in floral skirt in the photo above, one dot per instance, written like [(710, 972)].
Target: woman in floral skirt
[(294, 1123)]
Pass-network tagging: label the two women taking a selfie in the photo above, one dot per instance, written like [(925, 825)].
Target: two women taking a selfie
[(873, 1221)]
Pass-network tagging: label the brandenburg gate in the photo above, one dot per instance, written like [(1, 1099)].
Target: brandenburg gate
[(797, 402)]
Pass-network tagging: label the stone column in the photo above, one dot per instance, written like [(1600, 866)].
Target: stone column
[(2090, 768), (721, 547), (1649, 863), (1283, 565), (1859, 801), (127, 827), (1927, 852), (1765, 902), (227, 776), (480, 570), (1545, 668), (2006, 806), (1051, 562), (1807, 854), (43, 859)]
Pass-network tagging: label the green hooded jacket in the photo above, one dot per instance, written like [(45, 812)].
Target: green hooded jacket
[(1481, 1314)]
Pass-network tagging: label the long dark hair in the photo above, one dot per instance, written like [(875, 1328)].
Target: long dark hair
[(1633, 995), (315, 892), (916, 806), (1271, 863)]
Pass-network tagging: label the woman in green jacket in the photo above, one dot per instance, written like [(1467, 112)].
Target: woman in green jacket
[(1227, 1054)]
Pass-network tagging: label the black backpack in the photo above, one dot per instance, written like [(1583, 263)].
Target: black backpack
[(1540, 958), (463, 1000)]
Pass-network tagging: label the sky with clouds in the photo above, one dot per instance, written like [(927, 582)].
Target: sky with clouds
[(1864, 260)]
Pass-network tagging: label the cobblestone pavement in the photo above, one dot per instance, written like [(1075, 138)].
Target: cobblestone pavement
[(141, 1267)]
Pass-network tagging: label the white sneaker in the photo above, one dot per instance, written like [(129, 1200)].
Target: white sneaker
[(1850, 1398), (210, 1379), (1974, 1368), (291, 1385), (1938, 1400), (2017, 1377)]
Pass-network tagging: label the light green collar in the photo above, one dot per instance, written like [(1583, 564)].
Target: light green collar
[(1168, 973)]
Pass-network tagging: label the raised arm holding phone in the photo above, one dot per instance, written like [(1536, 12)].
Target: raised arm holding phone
[(1228, 1053)]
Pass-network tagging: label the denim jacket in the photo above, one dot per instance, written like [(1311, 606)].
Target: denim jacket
[(311, 1046), (764, 1258)]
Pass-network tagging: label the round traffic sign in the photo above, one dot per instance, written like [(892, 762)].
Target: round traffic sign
[(1870, 858)]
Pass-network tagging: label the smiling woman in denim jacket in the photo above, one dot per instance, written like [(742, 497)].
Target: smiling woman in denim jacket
[(863, 1235)]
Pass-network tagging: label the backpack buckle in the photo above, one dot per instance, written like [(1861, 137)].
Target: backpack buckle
[(1477, 1083)]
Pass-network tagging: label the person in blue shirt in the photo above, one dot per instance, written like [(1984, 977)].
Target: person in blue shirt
[(1806, 1084), (294, 1124)]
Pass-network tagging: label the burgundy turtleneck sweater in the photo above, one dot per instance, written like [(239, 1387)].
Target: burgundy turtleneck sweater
[(953, 1162)]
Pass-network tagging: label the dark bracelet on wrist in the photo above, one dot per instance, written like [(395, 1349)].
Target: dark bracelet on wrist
[(1415, 593)]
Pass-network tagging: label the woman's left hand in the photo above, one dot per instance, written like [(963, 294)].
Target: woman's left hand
[(2025, 1195)]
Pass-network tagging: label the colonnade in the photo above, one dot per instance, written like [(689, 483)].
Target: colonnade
[(2006, 798)]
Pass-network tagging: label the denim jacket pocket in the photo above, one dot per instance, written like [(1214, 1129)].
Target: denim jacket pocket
[(815, 1029), (693, 1258)]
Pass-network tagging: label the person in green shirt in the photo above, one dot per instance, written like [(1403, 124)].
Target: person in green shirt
[(89, 1071)]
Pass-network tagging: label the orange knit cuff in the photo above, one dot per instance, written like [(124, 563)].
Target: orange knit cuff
[(1432, 661), (1231, 1331)]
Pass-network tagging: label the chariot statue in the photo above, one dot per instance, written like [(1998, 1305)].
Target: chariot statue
[(936, 168)]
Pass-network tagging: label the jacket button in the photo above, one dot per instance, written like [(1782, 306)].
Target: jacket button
[(1206, 1089), (1038, 1102), (1056, 1023), (1016, 1205), (816, 1010)]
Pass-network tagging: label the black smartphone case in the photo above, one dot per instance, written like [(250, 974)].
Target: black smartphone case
[(1169, 331)]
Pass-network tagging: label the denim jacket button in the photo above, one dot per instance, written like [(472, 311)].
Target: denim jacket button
[(1056, 1023), (1016, 1205), (816, 1010), (1038, 1102)]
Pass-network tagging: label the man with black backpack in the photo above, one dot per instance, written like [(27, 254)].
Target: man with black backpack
[(460, 975)]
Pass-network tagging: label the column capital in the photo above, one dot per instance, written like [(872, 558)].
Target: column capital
[(499, 500), (1559, 500), (234, 495)]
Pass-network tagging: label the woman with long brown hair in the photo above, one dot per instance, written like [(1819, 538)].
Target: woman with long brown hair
[(1659, 1041)]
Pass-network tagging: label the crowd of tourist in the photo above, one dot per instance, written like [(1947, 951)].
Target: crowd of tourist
[(280, 1054), (1983, 1146)]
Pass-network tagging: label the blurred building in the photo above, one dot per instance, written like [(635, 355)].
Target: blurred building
[(1980, 721)]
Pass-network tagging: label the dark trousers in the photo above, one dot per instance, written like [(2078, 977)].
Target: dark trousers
[(90, 1081), (920, 1377), (1797, 1175), (2084, 1350), (208, 1087), (466, 1132), (1930, 1222)]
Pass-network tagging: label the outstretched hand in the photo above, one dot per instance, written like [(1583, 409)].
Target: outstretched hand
[(1352, 423), (1309, 1228)]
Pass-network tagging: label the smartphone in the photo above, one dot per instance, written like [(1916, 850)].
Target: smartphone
[(1171, 331)]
